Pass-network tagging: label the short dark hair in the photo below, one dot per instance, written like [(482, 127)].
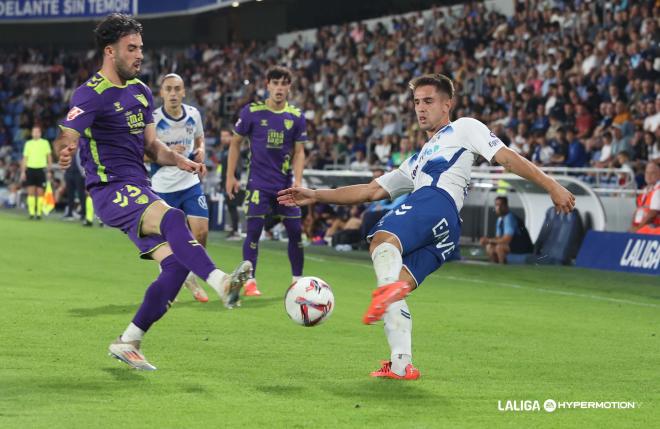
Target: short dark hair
[(113, 27), (504, 199), (441, 83), (279, 72)]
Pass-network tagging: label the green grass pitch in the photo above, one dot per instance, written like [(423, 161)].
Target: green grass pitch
[(482, 334)]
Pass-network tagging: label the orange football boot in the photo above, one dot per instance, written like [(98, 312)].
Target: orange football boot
[(385, 371), (382, 297)]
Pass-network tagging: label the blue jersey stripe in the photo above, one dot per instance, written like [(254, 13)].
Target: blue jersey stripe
[(435, 167)]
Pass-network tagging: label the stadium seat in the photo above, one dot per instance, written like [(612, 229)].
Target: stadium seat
[(560, 238)]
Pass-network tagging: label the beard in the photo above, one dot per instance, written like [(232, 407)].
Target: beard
[(125, 71)]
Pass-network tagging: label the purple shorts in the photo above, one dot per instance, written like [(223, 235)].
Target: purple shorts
[(260, 203), (122, 206)]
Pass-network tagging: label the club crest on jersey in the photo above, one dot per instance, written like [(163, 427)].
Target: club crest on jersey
[(74, 113), (142, 99), (288, 123)]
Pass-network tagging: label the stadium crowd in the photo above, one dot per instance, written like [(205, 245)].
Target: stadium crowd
[(573, 84)]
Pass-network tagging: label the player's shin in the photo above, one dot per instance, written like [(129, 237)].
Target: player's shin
[(387, 263), (255, 225), (296, 256), (398, 330), (187, 250), (157, 299)]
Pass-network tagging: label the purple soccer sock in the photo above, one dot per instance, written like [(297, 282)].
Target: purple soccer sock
[(161, 293), (251, 243), (296, 256), (187, 250)]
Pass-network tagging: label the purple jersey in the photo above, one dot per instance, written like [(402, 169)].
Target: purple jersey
[(273, 136), (111, 120)]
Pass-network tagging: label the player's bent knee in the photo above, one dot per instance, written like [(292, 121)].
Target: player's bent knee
[(161, 253), (407, 277), (384, 237), (153, 216)]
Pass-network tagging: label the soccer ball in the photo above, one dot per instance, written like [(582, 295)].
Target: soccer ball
[(309, 301)]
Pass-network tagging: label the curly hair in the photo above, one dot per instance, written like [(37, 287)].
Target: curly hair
[(113, 27)]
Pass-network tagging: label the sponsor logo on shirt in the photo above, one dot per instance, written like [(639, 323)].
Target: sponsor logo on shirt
[(74, 113)]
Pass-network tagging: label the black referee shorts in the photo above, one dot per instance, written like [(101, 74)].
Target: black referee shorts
[(35, 177)]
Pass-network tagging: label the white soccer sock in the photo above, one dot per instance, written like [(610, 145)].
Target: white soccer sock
[(132, 333), (387, 263), (295, 279), (398, 330), (216, 279), (190, 278)]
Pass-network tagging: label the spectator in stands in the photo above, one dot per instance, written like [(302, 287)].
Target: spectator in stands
[(543, 152), (359, 163), (577, 154), (405, 151), (646, 219), (583, 122), (344, 232), (349, 75), (511, 236), (652, 120), (605, 151), (620, 142)]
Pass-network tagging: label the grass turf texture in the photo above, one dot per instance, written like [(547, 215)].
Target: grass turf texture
[(482, 334)]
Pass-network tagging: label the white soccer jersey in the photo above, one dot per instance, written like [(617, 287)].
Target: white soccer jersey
[(182, 131), (445, 160)]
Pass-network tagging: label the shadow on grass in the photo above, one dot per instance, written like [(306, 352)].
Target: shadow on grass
[(215, 306), (103, 310), (281, 390), (125, 374), (386, 390)]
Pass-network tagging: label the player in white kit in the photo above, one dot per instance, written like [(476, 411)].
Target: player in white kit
[(417, 237), (180, 127)]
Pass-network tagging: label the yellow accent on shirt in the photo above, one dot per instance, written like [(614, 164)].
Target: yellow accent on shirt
[(37, 152)]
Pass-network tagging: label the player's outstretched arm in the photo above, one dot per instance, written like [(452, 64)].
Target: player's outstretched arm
[(345, 195), (161, 154), (563, 200), (65, 146)]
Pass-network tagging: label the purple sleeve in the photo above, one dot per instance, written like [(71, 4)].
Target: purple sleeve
[(149, 112), (243, 126), (83, 108), (301, 130)]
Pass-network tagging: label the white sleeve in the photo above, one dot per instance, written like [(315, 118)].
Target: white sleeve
[(479, 139), (199, 128), (399, 181)]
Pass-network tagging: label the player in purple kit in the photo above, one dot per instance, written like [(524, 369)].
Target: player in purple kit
[(277, 135), (111, 121)]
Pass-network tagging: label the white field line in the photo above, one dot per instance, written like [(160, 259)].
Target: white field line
[(500, 284)]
